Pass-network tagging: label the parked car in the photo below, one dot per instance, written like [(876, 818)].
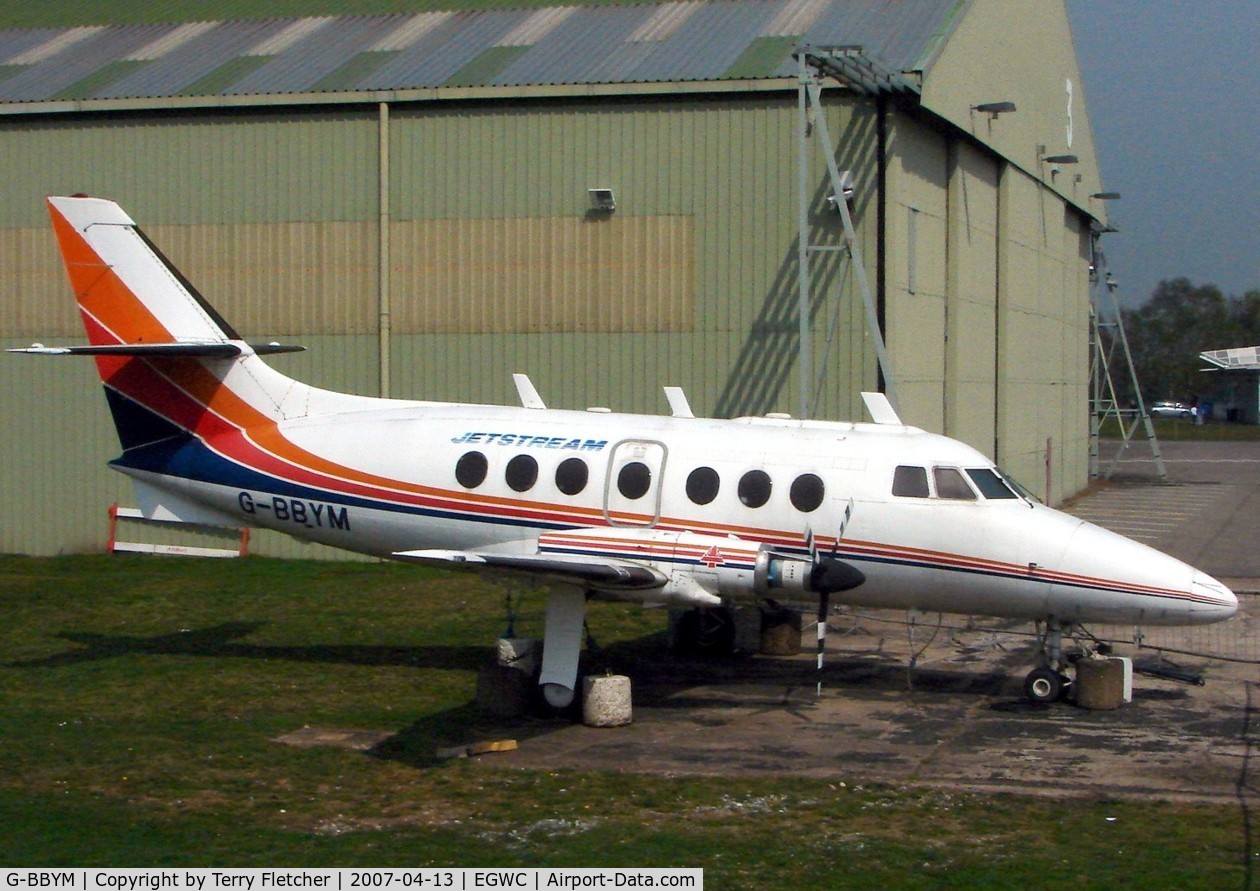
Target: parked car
[(1172, 410)]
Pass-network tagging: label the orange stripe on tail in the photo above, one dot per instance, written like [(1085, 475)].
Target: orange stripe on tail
[(111, 312)]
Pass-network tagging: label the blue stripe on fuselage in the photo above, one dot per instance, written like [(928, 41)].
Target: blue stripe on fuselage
[(190, 458)]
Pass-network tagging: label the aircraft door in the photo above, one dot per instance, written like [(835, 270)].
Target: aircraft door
[(632, 490)]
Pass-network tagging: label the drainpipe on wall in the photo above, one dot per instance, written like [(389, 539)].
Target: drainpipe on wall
[(881, 246), (382, 201)]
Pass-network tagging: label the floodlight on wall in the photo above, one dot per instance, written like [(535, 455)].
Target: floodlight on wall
[(846, 186), (1043, 158), (602, 200), (993, 109), (1106, 196), (1055, 161)]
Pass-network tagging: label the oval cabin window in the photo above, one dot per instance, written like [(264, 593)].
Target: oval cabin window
[(807, 492), (754, 488), (522, 473), (470, 469), (702, 485), (634, 480), (571, 476)]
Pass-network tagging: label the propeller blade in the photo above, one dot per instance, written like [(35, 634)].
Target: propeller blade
[(824, 607), (844, 524), (828, 575)]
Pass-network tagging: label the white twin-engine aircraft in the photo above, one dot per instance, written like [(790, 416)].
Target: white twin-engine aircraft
[(675, 510)]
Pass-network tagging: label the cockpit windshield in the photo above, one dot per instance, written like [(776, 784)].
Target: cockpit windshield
[(990, 483), (956, 484)]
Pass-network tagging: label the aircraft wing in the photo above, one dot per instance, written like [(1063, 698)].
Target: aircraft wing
[(598, 572)]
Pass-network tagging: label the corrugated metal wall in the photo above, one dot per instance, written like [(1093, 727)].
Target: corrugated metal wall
[(691, 281), (244, 166), (987, 293), (1043, 339)]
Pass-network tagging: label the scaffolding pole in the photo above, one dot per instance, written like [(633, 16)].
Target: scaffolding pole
[(1104, 401), (850, 66)]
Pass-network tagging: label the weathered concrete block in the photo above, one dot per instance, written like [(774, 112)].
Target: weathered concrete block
[(520, 653), (606, 700), (781, 632), (1100, 683)]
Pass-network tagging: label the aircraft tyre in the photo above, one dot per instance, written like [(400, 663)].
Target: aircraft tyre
[(1043, 685)]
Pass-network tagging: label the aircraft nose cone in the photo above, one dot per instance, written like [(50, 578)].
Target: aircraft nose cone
[(1218, 601)]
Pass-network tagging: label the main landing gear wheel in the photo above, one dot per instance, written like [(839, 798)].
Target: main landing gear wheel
[(1044, 685)]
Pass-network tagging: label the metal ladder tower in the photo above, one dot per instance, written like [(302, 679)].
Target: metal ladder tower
[(1104, 405), (850, 66)]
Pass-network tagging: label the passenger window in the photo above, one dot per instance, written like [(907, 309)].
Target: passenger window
[(910, 482), (702, 485), (754, 488), (571, 476), (522, 473), (807, 492), (990, 484), (951, 484), (634, 480), (470, 469)]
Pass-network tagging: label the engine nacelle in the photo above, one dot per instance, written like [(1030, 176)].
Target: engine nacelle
[(703, 570), (735, 569), (780, 575)]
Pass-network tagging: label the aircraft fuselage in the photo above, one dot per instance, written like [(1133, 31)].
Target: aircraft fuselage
[(461, 477)]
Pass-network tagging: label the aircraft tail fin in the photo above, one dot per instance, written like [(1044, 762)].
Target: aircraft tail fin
[(128, 291), (171, 365)]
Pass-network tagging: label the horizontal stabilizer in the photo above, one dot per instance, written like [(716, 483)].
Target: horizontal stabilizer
[(163, 504), (603, 573), (182, 350)]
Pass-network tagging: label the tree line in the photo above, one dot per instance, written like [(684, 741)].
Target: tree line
[(1179, 321)]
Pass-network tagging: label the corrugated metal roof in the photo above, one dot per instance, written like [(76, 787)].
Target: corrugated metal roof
[(696, 40)]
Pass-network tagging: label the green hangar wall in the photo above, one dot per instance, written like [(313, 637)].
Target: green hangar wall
[(429, 244)]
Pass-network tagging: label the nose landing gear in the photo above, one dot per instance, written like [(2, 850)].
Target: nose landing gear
[(1044, 684), (1048, 682)]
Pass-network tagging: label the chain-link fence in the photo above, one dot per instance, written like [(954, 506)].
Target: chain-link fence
[(936, 637)]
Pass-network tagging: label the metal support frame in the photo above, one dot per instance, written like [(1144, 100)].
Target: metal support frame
[(1104, 403), (812, 121)]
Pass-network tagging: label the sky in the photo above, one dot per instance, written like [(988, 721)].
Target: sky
[(1172, 89)]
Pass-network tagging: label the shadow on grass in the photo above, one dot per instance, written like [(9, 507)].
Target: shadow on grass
[(708, 692), (224, 641)]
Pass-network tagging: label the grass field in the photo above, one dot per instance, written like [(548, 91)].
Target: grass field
[(139, 701)]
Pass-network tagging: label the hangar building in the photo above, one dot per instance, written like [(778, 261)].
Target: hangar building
[(421, 198)]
